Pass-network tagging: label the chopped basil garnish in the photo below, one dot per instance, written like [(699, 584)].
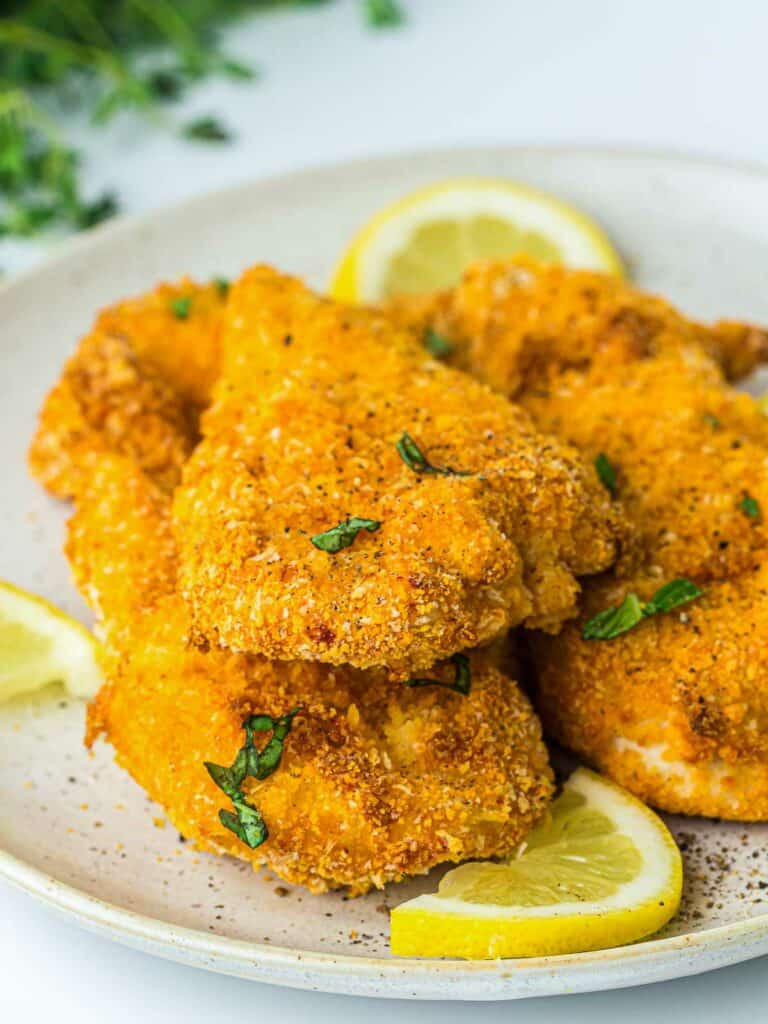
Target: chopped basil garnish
[(606, 472), (246, 821), (181, 306), (750, 506), (343, 534), (614, 621), (436, 344), (415, 459), (462, 681)]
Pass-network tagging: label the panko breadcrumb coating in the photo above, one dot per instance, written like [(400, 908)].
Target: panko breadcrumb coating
[(676, 709), (673, 709), (302, 435), (136, 384), (377, 780)]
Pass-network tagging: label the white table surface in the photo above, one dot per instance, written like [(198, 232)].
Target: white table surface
[(687, 75)]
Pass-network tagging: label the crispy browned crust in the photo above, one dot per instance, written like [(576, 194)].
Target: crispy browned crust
[(135, 385), (302, 434), (378, 781), (675, 709), (517, 325)]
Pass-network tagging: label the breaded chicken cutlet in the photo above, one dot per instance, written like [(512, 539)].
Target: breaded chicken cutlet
[(377, 780), (136, 384), (674, 708), (355, 502)]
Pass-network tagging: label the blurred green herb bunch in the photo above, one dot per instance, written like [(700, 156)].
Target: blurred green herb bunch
[(102, 56)]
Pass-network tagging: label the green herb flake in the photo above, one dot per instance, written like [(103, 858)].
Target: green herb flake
[(383, 13), (462, 682), (436, 344), (416, 460), (206, 129), (222, 286), (246, 821), (614, 621), (606, 472), (343, 534), (712, 420), (671, 595), (750, 506), (181, 306)]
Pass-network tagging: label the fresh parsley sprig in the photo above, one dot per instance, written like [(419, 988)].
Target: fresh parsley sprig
[(462, 682), (614, 621), (246, 821)]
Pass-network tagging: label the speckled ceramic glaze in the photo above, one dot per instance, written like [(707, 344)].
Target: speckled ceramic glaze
[(79, 834)]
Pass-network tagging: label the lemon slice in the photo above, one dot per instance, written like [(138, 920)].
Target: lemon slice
[(602, 870), (425, 240), (40, 644)]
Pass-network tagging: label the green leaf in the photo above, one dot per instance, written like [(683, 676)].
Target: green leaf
[(383, 13), (225, 778), (416, 460), (671, 595), (206, 129), (343, 534), (166, 84), (606, 473), (614, 621), (750, 506), (462, 682), (181, 306), (436, 344), (247, 822), (234, 69), (88, 215)]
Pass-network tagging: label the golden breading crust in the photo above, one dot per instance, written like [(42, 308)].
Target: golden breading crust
[(687, 450), (517, 324), (378, 780), (135, 385), (302, 434), (676, 709)]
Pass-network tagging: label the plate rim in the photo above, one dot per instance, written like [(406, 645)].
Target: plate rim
[(102, 913), (64, 249), (122, 924)]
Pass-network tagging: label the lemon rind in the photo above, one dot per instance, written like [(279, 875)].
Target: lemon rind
[(436, 926), (72, 660), (361, 269)]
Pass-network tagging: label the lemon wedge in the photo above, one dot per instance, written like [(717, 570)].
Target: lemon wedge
[(40, 644), (426, 239), (601, 870)]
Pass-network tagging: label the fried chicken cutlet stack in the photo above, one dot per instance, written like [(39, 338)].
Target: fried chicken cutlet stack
[(676, 708), (369, 779), (324, 416)]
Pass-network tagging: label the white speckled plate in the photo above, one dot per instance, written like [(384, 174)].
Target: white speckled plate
[(78, 834)]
